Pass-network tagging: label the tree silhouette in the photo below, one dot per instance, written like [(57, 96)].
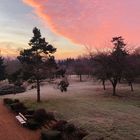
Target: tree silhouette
[(111, 66), (100, 67), (132, 68), (2, 69), (117, 62), (35, 58)]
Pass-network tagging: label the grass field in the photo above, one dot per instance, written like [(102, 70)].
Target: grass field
[(97, 111)]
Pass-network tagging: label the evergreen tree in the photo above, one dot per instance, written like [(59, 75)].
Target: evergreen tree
[(111, 66), (35, 58), (117, 62)]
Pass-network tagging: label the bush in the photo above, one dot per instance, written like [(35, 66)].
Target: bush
[(18, 107), (70, 132), (32, 124), (51, 135), (9, 89), (40, 115), (59, 125), (16, 101), (30, 112), (80, 134), (50, 116), (18, 83), (7, 101), (19, 89), (69, 128)]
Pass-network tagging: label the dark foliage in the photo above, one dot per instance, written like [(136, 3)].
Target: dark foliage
[(30, 111), (37, 58), (69, 128), (50, 116), (2, 69), (50, 135), (111, 66), (80, 134), (11, 90), (14, 77), (59, 125), (7, 101), (18, 107), (33, 124), (69, 131), (40, 115)]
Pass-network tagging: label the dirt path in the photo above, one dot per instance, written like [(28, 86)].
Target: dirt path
[(10, 129)]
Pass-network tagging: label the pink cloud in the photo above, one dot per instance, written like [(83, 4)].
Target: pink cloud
[(90, 22)]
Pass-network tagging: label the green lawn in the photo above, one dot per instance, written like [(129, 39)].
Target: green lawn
[(114, 118)]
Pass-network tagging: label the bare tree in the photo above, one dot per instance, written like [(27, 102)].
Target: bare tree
[(112, 65)]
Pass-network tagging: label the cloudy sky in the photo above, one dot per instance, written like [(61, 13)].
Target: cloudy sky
[(68, 24)]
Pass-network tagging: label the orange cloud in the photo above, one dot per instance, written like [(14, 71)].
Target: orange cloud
[(90, 22)]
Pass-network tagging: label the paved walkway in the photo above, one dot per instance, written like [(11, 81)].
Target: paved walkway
[(10, 129)]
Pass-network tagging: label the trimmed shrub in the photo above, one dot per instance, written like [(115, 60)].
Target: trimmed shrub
[(51, 135), (59, 125), (50, 116), (19, 89), (18, 107), (71, 132), (7, 101), (16, 101), (40, 115), (69, 128), (80, 134), (29, 114), (32, 124), (10, 89)]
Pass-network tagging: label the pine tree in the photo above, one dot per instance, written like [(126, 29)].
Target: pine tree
[(111, 66), (34, 58), (117, 62)]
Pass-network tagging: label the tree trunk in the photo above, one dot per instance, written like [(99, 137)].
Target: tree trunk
[(80, 78), (114, 84), (114, 89), (38, 90), (103, 82), (131, 85)]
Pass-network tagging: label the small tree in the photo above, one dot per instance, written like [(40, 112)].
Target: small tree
[(112, 66), (79, 69), (132, 69), (117, 62), (36, 56), (100, 67)]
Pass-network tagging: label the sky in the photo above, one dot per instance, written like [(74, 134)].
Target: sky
[(69, 25)]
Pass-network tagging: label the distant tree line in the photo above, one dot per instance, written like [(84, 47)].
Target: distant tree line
[(38, 63), (115, 66)]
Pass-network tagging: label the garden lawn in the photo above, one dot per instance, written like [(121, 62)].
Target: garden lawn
[(97, 111)]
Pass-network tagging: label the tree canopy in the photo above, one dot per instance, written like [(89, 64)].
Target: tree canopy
[(37, 58)]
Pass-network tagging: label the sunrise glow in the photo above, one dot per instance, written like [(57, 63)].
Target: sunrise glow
[(68, 24)]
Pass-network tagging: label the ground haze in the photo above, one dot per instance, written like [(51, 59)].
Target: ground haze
[(87, 105)]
